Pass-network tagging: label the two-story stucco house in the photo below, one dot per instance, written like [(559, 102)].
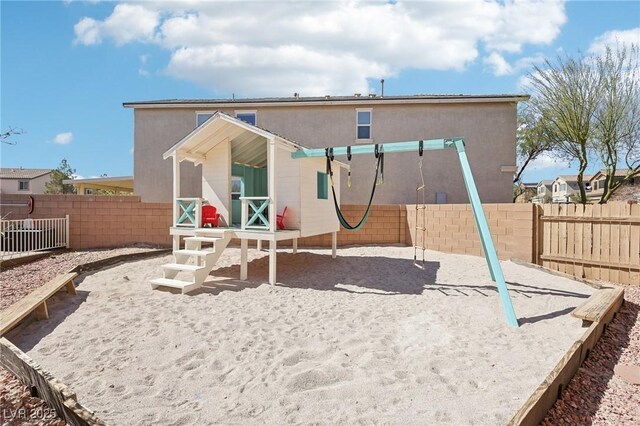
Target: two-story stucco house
[(488, 124), (16, 180), (543, 192), (599, 182), (564, 188)]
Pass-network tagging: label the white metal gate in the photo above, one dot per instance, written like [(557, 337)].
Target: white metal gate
[(30, 235)]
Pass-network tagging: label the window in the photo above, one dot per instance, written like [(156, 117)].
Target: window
[(563, 187), (247, 116), (363, 124), (323, 186), (201, 117), (236, 187), (541, 190), (88, 191), (23, 185)]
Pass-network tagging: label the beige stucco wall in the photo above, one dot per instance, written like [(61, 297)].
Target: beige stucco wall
[(489, 130), (36, 185)]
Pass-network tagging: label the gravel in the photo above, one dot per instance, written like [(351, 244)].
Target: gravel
[(596, 395), (18, 281)]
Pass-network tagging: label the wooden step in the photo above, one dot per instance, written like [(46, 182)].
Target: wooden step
[(599, 304), (185, 286), (203, 239), (200, 253), (182, 267)]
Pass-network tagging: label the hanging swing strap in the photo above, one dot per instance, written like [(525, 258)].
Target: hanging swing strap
[(341, 218)]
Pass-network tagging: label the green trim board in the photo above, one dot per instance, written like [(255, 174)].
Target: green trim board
[(322, 191), (482, 226)]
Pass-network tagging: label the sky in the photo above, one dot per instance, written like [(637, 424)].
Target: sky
[(67, 66)]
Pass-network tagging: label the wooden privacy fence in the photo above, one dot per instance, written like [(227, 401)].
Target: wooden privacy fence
[(598, 242)]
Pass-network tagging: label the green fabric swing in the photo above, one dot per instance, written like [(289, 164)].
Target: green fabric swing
[(341, 218)]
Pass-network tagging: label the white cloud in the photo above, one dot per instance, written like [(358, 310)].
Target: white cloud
[(127, 23), (613, 39), (63, 138), (497, 64), (318, 48), (527, 22), (547, 160)]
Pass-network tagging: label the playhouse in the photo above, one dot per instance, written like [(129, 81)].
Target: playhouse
[(251, 179)]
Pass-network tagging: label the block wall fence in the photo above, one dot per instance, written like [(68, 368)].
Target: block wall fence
[(111, 221), (99, 221)]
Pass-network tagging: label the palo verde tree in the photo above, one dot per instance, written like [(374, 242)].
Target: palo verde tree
[(565, 100), (531, 141), (55, 184), (617, 120)]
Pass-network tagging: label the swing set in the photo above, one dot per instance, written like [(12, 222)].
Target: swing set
[(379, 151)]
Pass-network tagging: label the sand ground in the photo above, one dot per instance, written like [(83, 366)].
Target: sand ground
[(365, 338)]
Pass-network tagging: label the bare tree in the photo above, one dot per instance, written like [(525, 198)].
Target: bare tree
[(4, 136), (617, 120), (565, 98)]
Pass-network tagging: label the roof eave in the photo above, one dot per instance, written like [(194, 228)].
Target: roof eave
[(322, 102)]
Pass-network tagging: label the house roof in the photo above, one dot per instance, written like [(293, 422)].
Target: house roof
[(568, 178), (115, 181), (546, 182), (20, 173), (326, 100), (603, 172)]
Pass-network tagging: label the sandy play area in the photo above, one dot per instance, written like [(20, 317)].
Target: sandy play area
[(365, 338)]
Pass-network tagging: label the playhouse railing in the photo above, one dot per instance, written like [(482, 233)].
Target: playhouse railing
[(188, 212), (255, 212), (24, 236)]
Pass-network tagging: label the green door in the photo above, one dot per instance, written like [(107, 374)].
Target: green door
[(237, 191)]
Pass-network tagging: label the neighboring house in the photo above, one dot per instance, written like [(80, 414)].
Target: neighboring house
[(529, 190), (488, 124), (564, 188), (16, 180), (543, 192), (119, 185), (598, 182)]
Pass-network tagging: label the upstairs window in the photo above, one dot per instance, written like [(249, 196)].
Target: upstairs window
[(541, 190), (363, 124), (23, 185), (563, 187), (201, 117), (247, 116)]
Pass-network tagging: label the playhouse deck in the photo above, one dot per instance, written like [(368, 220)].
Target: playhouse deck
[(243, 234)]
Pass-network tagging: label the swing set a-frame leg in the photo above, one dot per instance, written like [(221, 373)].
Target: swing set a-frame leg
[(488, 248)]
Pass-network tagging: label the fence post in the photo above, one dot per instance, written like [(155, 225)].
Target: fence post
[(66, 219), (537, 235)]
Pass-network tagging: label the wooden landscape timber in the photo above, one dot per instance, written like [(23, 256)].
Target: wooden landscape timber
[(57, 395), (36, 301), (602, 306)]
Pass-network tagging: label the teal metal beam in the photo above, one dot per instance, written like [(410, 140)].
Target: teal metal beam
[(409, 146), (488, 248)]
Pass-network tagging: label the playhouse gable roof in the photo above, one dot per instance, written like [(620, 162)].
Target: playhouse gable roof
[(218, 128)]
